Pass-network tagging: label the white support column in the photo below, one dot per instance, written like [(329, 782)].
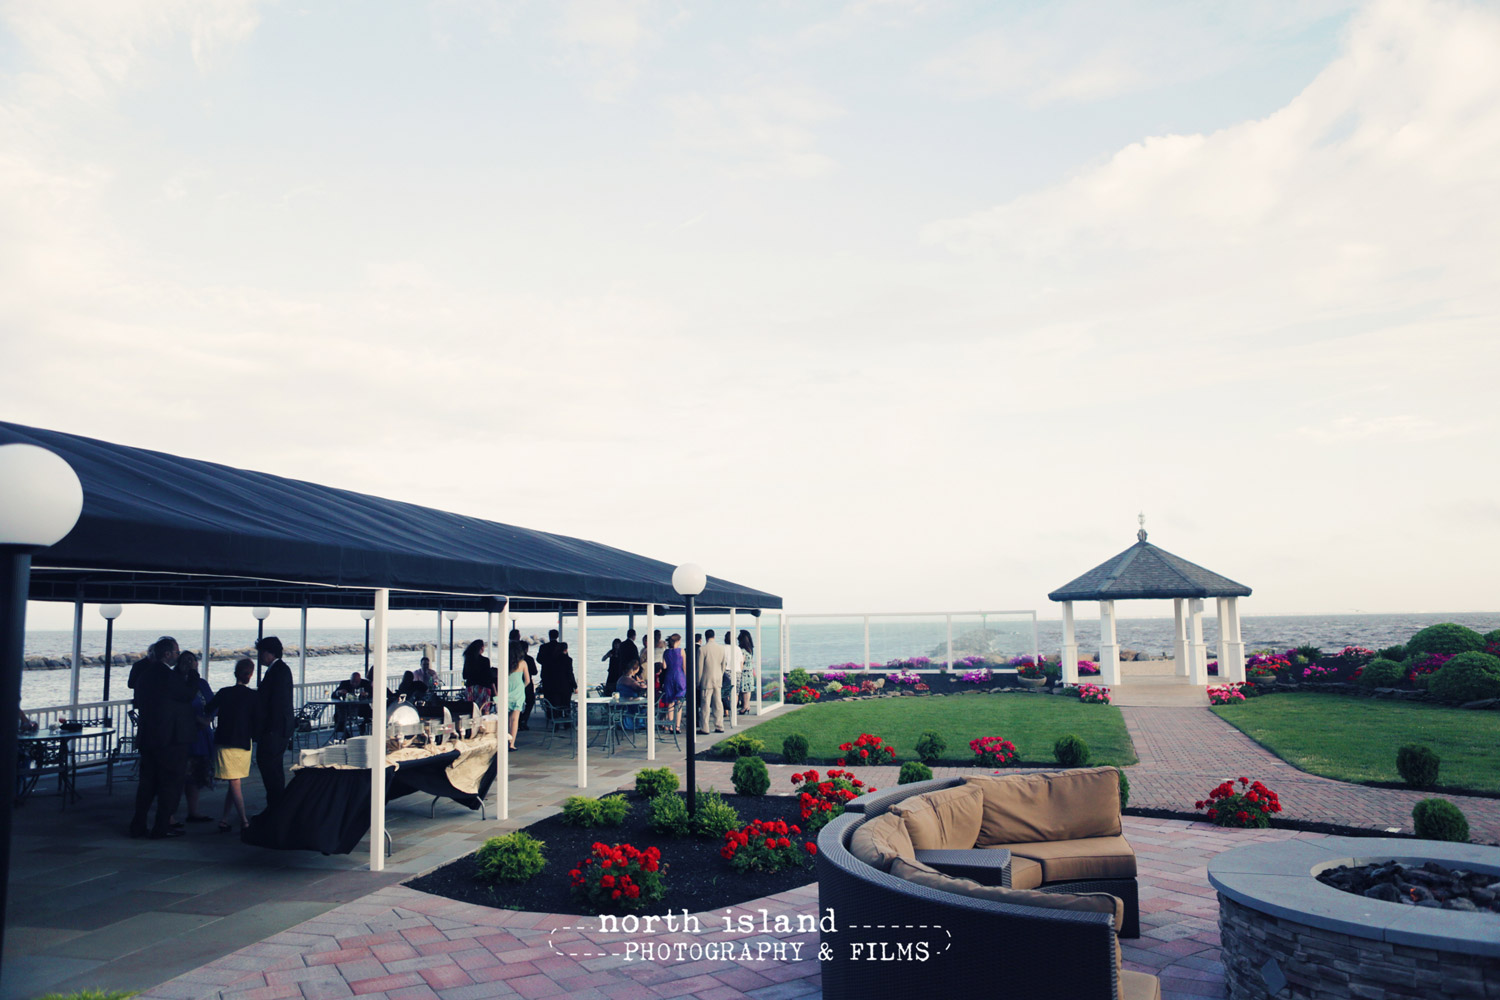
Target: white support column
[(208, 635), (760, 652), (786, 655), (582, 693), (1197, 661), (1069, 646), (502, 717), (1109, 646), (489, 635), (1179, 640), (1222, 607), (648, 641), (75, 668), (302, 649), (1236, 668), (380, 641), (437, 654), (865, 663), (949, 664), (734, 694)]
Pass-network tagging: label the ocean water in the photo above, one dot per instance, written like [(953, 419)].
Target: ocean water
[(814, 642)]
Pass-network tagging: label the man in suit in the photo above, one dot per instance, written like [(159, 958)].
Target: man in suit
[(556, 668), (275, 695), (164, 729), (712, 659)]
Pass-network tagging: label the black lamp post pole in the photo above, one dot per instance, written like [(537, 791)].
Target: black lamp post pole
[(109, 649), (15, 577), (450, 650), (691, 709)]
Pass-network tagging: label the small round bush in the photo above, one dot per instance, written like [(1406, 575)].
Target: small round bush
[(1071, 751), (1439, 819), (794, 748), (1124, 787), (1418, 765), (798, 678), (514, 857), (740, 745), (930, 746), (912, 771), (654, 781), (1382, 674), (1466, 677), (714, 817), (669, 815), (751, 777), (1397, 653), (580, 810), (1445, 638)]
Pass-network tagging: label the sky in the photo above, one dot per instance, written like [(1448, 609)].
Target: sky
[(876, 305)]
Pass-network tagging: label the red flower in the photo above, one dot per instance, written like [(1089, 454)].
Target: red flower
[(811, 847)]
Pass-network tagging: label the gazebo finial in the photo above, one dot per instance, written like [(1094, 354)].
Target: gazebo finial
[(1141, 534)]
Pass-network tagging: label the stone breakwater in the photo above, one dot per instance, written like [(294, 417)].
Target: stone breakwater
[(344, 649)]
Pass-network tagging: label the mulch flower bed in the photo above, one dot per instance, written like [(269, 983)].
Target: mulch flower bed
[(697, 877)]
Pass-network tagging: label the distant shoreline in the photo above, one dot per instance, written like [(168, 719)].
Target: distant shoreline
[(216, 653)]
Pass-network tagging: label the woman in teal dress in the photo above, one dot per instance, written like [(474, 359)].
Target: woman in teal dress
[(515, 699)]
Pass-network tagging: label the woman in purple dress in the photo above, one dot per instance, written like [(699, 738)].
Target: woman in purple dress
[(673, 684)]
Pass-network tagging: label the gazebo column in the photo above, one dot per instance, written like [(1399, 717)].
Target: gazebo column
[(1109, 648), (381, 642), (1197, 660), (1069, 646), (1179, 640), (75, 665), (1232, 652)]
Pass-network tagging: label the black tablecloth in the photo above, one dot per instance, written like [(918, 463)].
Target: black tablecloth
[(327, 809)]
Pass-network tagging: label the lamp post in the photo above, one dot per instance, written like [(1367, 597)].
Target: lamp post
[(367, 615), (40, 500), (109, 612), (450, 615), (261, 614), (689, 581)]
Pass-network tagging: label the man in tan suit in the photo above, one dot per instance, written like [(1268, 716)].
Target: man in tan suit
[(712, 659)]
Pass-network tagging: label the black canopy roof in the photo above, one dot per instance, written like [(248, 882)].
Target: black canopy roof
[(1144, 571), (161, 529)]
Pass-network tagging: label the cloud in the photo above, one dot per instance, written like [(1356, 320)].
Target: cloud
[(764, 132), (1403, 428), (604, 38)]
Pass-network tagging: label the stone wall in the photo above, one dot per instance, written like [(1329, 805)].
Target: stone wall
[(1322, 964)]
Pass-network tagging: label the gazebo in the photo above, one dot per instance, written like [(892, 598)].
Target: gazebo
[(1145, 572)]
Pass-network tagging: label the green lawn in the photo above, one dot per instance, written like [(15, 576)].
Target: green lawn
[(1031, 722), (1355, 739)]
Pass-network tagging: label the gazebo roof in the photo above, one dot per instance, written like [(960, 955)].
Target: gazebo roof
[(1145, 572)]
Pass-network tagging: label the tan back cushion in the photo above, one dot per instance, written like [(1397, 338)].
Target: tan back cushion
[(1086, 902), (1067, 805), (881, 840), (945, 820)]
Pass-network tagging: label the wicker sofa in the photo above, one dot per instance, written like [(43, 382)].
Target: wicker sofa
[(921, 897)]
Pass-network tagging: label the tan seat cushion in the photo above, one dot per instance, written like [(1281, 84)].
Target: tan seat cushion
[(1072, 860), (1024, 873), (1087, 902), (945, 820), (1139, 986), (1064, 805), (881, 840)]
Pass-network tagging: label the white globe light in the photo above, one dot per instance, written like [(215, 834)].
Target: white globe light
[(367, 614), (261, 613), (689, 579), (450, 615), (109, 611), (40, 496)]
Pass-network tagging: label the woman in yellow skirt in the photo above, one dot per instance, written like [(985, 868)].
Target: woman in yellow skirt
[(235, 709)]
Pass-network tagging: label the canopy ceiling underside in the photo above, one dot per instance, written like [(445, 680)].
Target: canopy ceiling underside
[(161, 529), (1146, 572)]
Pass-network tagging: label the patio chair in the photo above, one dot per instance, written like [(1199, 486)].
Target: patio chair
[(124, 751), (557, 719), (661, 722), (306, 724), (603, 720)]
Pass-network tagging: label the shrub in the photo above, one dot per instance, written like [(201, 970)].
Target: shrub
[(1382, 674), (713, 816), (580, 810), (930, 746), (1310, 654), (866, 749), (1228, 694), (654, 781), (1396, 653), (669, 815), (1445, 638), (740, 745), (1467, 677), (1091, 694), (618, 877), (822, 799), (913, 771), (1124, 787), (1248, 806), (750, 776), (514, 857), (1350, 660), (907, 677), (1071, 751), (798, 678), (1439, 819), (802, 695), (1419, 669), (1492, 637), (1418, 765), (766, 846), (993, 751), (794, 748)]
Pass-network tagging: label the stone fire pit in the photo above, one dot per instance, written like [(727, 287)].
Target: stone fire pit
[(1285, 934)]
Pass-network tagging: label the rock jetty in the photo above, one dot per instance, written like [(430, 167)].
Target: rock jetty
[(216, 652)]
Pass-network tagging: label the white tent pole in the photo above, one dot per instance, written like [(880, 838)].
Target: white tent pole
[(437, 664), (207, 632), (731, 640), (582, 694), (649, 642), (502, 748), (760, 650), (302, 650), (377, 730), (76, 666)]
